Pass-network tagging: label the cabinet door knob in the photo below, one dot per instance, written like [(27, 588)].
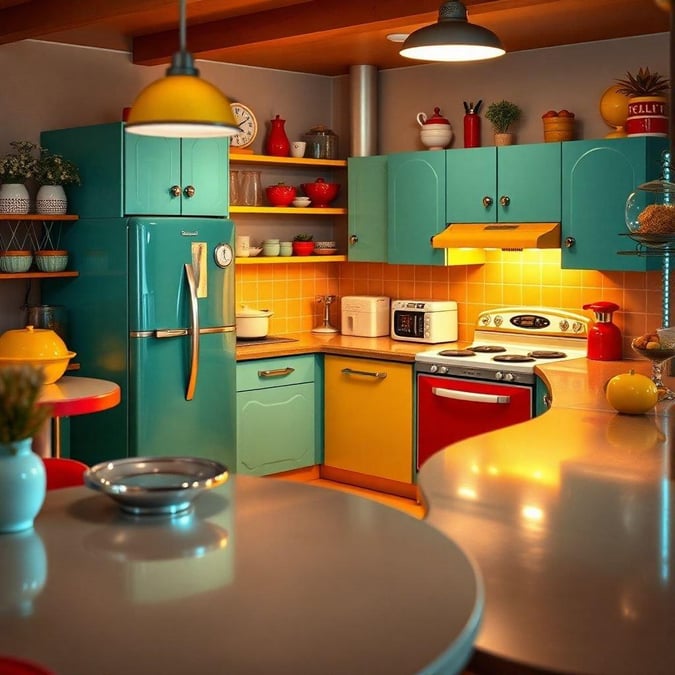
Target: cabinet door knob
[(504, 200), (174, 190), (189, 191), (569, 242), (353, 239), (487, 202)]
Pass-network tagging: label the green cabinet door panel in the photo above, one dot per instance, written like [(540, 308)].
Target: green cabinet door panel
[(275, 429), (279, 414), (416, 207), (517, 183), (367, 208), (471, 180), (598, 177), (126, 174)]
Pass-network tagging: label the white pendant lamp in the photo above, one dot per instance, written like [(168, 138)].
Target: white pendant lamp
[(182, 104), (453, 38)]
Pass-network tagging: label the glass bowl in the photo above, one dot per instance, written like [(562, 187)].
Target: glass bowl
[(650, 214)]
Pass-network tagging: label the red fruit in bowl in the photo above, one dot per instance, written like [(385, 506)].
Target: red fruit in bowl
[(550, 113), (320, 192), (565, 113), (280, 194)]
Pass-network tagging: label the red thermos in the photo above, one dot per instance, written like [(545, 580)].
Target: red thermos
[(471, 130), (604, 337)]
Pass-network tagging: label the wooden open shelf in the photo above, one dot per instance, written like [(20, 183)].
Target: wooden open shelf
[(18, 217), (290, 210), (276, 260), (37, 275), (246, 158)]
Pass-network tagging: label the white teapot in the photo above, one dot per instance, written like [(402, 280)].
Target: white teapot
[(436, 131)]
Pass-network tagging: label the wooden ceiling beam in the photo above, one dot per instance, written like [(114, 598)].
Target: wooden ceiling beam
[(310, 18)]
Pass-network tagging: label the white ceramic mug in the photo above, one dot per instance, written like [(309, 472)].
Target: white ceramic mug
[(298, 148), (242, 244)]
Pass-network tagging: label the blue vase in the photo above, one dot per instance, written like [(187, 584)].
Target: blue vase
[(23, 485)]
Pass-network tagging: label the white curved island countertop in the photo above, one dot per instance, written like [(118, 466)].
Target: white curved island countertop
[(571, 518), (266, 576)]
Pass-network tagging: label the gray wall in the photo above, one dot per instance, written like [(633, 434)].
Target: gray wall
[(48, 86)]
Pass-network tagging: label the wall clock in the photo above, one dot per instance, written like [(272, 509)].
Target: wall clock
[(248, 124)]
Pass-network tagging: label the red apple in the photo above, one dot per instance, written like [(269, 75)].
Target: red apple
[(550, 113), (565, 113)]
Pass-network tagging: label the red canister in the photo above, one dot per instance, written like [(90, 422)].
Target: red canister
[(278, 144), (471, 130), (604, 336)]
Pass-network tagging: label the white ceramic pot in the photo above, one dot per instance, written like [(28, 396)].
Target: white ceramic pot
[(253, 323), (436, 136), (14, 198), (51, 200)]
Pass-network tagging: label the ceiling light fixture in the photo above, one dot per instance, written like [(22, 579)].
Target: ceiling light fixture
[(182, 104), (452, 38)]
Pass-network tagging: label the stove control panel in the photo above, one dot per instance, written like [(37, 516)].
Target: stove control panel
[(534, 321)]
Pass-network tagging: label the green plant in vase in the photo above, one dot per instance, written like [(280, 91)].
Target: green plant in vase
[(15, 169), (22, 472), (502, 115), (647, 103), (53, 172)]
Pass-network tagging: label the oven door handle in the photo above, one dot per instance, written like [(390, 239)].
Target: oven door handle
[(470, 396)]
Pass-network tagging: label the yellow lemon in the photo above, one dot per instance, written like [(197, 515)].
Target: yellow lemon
[(631, 393)]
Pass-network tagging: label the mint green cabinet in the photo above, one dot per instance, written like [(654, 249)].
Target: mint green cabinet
[(276, 409), (367, 209), (416, 206), (515, 183), (598, 176), (126, 174)]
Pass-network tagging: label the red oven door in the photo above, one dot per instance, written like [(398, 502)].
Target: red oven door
[(450, 409)]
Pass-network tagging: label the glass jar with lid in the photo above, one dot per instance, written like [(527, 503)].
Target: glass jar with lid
[(322, 143)]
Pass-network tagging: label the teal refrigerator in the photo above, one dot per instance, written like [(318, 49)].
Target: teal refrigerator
[(153, 310)]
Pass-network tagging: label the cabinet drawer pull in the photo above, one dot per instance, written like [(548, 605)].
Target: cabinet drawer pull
[(378, 374), (277, 372)]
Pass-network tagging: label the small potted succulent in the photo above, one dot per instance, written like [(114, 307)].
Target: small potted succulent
[(22, 473), (303, 244), (647, 103), (502, 115)]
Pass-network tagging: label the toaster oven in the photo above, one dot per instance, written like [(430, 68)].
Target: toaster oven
[(424, 320)]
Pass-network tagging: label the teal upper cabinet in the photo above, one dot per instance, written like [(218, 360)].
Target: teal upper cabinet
[(367, 208), (176, 176), (416, 206), (508, 184), (126, 174), (598, 176)]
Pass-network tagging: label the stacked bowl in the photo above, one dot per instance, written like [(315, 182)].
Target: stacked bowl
[(325, 248)]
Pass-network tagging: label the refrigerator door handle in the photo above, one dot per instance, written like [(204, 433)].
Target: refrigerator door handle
[(171, 332), (194, 311)]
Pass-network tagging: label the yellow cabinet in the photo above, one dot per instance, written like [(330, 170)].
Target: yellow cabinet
[(369, 417)]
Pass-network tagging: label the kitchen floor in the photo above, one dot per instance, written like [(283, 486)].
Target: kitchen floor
[(409, 506)]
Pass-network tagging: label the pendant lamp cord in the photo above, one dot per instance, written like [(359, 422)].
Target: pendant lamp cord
[(182, 27), (182, 62)]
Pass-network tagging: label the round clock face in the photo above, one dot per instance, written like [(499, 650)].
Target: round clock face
[(247, 123), (223, 255)]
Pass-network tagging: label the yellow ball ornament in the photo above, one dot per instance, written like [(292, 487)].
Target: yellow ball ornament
[(631, 393), (614, 110)]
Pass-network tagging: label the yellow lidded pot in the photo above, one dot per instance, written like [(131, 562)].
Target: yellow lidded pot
[(40, 347)]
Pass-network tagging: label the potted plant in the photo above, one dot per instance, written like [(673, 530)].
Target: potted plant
[(15, 169), (22, 473), (53, 172), (303, 244), (502, 114), (647, 102)]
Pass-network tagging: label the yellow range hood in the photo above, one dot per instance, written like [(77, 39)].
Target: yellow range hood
[(507, 236)]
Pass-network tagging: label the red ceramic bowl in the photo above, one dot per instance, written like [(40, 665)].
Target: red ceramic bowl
[(303, 247), (281, 195), (320, 192)]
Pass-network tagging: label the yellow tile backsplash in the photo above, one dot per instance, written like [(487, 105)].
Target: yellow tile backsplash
[(533, 278)]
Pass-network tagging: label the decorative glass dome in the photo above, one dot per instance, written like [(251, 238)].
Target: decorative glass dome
[(650, 210)]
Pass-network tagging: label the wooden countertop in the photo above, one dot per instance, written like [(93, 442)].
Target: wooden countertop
[(335, 343)]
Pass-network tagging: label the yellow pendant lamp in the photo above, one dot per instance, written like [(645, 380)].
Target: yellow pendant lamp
[(182, 104), (452, 38)]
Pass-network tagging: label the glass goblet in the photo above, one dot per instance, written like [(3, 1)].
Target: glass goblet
[(658, 357)]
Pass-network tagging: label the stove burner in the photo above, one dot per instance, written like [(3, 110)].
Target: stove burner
[(512, 358), (546, 354), (487, 349), (456, 352)]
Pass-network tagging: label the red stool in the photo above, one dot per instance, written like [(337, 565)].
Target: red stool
[(63, 472)]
